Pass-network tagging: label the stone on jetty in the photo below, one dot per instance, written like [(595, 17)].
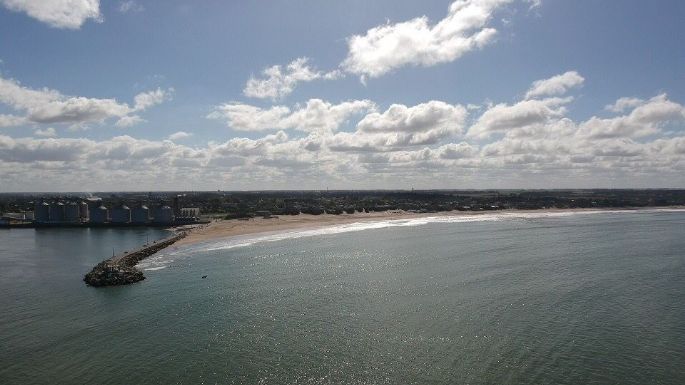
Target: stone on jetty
[(107, 273)]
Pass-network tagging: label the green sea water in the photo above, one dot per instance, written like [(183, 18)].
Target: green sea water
[(593, 298)]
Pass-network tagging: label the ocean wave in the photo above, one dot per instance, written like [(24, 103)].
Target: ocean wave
[(164, 258)]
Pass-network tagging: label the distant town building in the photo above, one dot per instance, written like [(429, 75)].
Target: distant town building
[(190, 212)]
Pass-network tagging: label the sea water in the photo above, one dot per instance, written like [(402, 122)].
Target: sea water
[(525, 298)]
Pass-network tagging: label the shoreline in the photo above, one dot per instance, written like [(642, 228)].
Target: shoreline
[(227, 229)]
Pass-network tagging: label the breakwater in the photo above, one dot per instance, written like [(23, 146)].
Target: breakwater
[(121, 269)]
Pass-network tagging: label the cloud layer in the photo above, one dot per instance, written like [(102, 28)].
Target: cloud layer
[(531, 143)]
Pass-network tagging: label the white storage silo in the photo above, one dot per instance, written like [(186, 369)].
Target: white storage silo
[(71, 212), (163, 214), (99, 214), (121, 214), (42, 212), (140, 214), (57, 212)]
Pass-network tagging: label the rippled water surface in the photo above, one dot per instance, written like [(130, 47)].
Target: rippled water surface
[(594, 298)]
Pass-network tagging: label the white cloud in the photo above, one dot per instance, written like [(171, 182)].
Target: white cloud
[(69, 14), (415, 42), (179, 135), (46, 106), (526, 113), (277, 83), (554, 86), (624, 104), (11, 120), (46, 133), (400, 127), (128, 121), (647, 119), (130, 6), (316, 116), (145, 100)]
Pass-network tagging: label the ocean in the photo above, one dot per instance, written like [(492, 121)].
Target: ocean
[(526, 298)]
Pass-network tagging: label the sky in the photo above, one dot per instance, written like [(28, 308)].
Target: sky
[(306, 94)]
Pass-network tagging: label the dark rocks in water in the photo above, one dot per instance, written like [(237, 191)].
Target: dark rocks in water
[(108, 274)]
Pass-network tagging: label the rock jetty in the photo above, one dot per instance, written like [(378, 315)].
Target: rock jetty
[(121, 269)]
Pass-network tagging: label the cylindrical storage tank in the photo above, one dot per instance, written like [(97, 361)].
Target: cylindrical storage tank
[(57, 212), (121, 214), (99, 214), (83, 211), (163, 214), (42, 212), (140, 214), (71, 212)]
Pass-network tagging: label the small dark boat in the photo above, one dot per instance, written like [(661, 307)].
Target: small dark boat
[(204, 276)]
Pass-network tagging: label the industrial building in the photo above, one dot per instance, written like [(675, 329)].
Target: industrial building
[(92, 210)]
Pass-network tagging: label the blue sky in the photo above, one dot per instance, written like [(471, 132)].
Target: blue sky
[(461, 81)]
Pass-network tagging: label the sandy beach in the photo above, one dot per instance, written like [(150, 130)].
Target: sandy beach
[(228, 228)]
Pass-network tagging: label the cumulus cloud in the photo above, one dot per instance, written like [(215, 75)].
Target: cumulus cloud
[(11, 120), (623, 104), (647, 119), (68, 14), (556, 85), (145, 100), (524, 114), (179, 135), (399, 125), (46, 106), (538, 145), (277, 82), (416, 42), (315, 116), (46, 133), (128, 121)]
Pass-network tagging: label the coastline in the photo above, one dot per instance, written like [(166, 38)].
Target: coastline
[(226, 229)]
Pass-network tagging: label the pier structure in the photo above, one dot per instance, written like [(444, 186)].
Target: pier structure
[(121, 269)]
